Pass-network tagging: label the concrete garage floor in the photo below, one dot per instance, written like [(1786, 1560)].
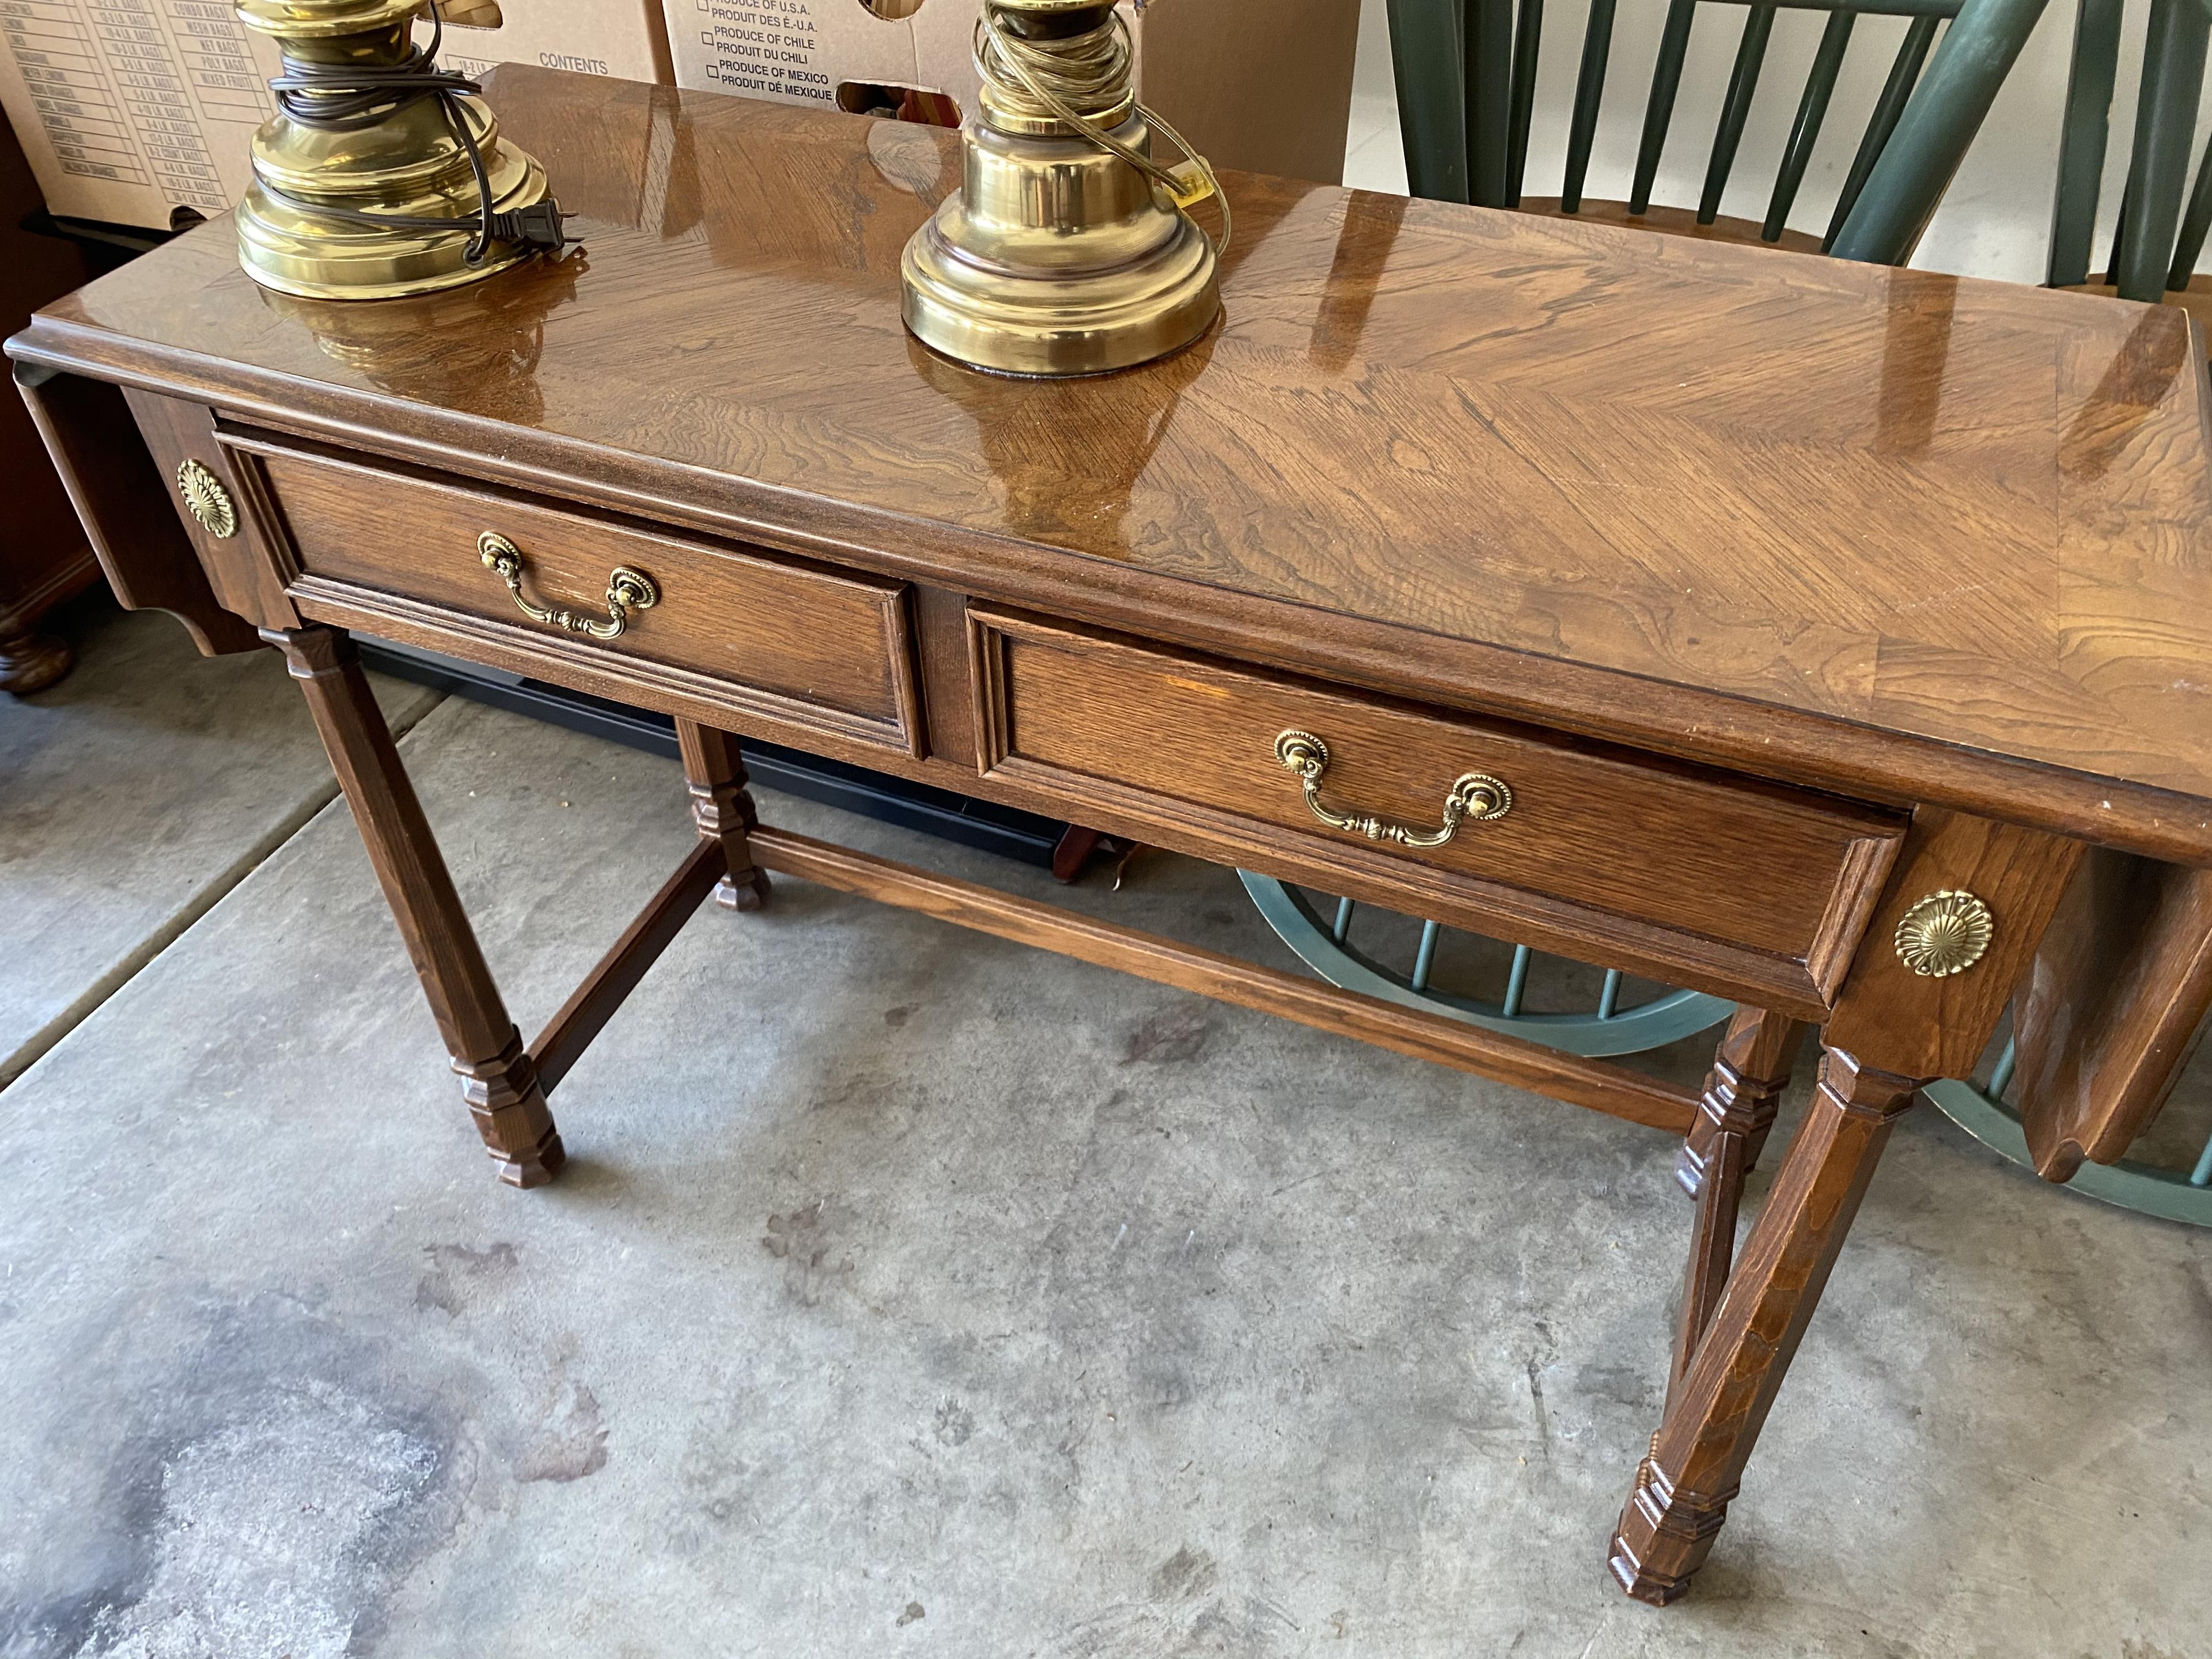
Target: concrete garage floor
[(133, 796), (909, 1291)]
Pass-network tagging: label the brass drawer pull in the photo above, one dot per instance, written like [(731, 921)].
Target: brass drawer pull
[(627, 590), (1475, 795)]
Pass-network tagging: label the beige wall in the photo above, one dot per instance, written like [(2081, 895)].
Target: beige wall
[(1994, 222)]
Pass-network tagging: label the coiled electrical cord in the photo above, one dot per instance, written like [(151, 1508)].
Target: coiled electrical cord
[(339, 98), (1082, 75)]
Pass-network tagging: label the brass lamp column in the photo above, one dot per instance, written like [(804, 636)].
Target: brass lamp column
[(363, 187), (1066, 250)]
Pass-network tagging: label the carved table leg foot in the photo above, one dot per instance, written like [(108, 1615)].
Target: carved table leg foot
[(1683, 1489), (497, 1077), (722, 807), (32, 662), (509, 1104), (1674, 1528)]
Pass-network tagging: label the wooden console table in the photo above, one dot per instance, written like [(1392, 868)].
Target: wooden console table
[(1768, 625)]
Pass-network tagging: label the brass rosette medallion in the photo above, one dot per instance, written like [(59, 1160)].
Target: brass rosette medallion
[(207, 501), (1944, 934)]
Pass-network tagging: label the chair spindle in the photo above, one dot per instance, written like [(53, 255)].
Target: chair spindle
[(1805, 131), (1743, 83), (2082, 138), (1608, 998), (2195, 224), (2158, 171), (1487, 37), (1424, 960), (1528, 38), (1659, 112), (1517, 980), (1424, 57), (1589, 89)]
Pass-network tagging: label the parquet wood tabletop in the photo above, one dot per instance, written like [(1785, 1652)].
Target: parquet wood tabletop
[(1725, 503)]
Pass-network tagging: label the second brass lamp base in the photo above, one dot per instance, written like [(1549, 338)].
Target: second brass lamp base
[(1059, 256)]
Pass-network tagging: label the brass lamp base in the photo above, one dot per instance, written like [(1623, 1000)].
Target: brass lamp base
[(1058, 257), (373, 203), (288, 239), (1081, 300)]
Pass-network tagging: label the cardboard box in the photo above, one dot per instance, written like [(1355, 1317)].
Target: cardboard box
[(142, 111), (131, 110), (1262, 85), (626, 39)]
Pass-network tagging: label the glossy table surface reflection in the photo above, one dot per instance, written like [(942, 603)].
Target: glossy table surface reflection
[(1882, 530)]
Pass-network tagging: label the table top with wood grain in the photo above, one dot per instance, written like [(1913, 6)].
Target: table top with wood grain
[(1909, 535)]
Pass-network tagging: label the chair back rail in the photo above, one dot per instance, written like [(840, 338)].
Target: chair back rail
[(1466, 73)]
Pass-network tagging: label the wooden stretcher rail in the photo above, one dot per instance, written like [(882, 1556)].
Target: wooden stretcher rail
[(569, 1032), (1610, 1089)]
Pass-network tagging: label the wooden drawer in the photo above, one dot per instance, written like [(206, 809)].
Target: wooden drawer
[(805, 647), (1623, 859)]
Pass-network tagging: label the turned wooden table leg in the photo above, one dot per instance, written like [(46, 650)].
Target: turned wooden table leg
[(31, 662), (498, 1080), (1683, 1488), (722, 807), (1750, 1071)]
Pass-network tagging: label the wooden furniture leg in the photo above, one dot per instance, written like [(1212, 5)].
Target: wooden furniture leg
[(1750, 1071), (1684, 1487), (1073, 851), (498, 1080), (722, 807), (43, 556), (31, 661)]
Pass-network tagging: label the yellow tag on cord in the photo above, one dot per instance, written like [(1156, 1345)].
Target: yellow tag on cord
[(1192, 183)]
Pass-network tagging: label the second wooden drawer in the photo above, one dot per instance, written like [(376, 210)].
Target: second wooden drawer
[(1625, 860)]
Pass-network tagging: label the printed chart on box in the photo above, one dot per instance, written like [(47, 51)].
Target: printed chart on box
[(127, 88)]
